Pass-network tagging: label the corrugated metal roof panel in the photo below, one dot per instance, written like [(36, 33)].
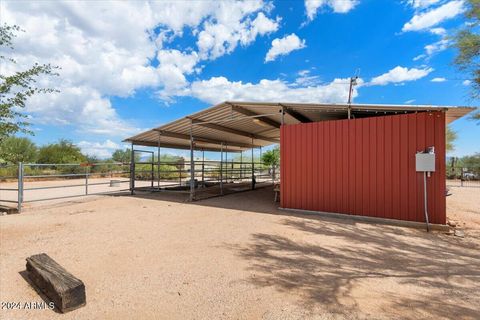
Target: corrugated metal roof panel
[(235, 123)]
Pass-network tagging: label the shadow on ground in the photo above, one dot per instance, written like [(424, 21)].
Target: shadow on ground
[(259, 200), (327, 273), (46, 300), (441, 273)]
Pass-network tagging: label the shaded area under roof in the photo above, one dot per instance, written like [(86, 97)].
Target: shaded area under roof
[(240, 125)]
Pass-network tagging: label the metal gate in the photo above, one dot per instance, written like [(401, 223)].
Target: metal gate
[(28, 182)]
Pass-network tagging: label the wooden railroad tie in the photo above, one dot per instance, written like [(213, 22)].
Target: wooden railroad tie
[(65, 290)]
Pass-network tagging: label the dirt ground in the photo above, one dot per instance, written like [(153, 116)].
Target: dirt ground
[(239, 257)]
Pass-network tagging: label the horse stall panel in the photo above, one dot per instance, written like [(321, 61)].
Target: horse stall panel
[(365, 166)]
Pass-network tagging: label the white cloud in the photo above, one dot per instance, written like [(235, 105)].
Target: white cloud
[(437, 47), (305, 79), (232, 25), (438, 79), (420, 4), (419, 57), (410, 101), (338, 6), (102, 150), (82, 107), (438, 31), (106, 49), (173, 66), (284, 46), (466, 82), (400, 75), (428, 19), (261, 26), (218, 89)]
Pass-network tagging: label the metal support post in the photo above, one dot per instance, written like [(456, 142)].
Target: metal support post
[(283, 113), (192, 165), (203, 168), (462, 175), (86, 179), (20, 187), (226, 163), (152, 169), (132, 170), (241, 165), (221, 169), (253, 170), (158, 161)]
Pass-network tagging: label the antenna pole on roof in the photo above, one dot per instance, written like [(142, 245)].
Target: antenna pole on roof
[(353, 82)]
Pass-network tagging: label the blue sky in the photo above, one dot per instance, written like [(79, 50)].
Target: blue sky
[(129, 66)]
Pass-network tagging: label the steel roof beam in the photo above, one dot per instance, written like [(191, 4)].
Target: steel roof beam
[(249, 113), (295, 114), (148, 143), (202, 139), (233, 131)]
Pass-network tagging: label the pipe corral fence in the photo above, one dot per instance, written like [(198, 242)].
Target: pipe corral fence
[(27, 182), (31, 182), (199, 178), (463, 176)]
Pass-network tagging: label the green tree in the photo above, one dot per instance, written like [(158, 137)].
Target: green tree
[(467, 41), (451, 137), (123, 156), (470, 161), (63, 151), (271, 158), (92, 158), (15, 149), (16, 88)]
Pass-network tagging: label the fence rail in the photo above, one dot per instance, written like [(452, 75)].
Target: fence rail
[(74, 180), (25, 182), (463, 176)]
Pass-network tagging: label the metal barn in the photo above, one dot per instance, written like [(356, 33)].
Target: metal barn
[(356, 159)]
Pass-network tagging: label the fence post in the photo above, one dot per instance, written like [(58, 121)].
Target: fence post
[(462, 177), (20, 186), (86, 179)]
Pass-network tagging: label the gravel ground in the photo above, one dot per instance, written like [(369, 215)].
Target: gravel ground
[(238, 257)]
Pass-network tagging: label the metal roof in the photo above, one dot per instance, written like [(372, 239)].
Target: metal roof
[(243, 125)]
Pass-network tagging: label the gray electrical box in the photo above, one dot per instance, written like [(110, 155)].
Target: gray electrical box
[(425, 162)]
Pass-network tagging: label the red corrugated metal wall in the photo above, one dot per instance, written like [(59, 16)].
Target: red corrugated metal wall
[(364, 166)]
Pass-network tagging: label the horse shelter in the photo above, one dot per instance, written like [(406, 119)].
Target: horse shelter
[(383, 161)]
